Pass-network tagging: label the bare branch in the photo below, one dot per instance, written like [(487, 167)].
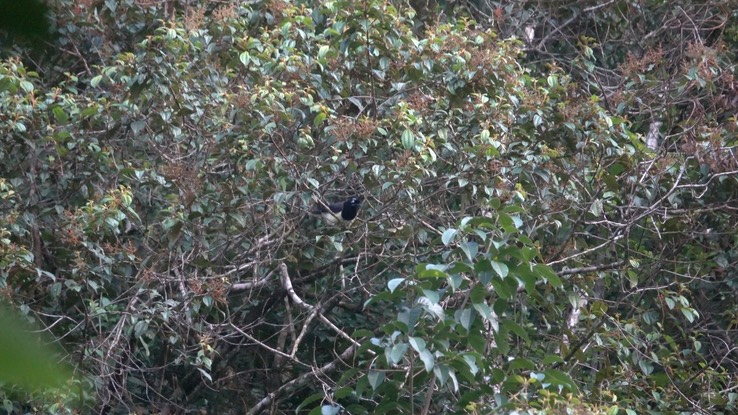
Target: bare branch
[(302, 380)]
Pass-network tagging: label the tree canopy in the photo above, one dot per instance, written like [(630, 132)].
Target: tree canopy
[(548, 221)]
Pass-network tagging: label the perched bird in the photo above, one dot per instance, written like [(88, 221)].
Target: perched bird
[(334, 212)]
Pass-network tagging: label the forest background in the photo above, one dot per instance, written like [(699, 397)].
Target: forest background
[(548, 223)]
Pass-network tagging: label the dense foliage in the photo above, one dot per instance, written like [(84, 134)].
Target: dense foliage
[(523, 245)]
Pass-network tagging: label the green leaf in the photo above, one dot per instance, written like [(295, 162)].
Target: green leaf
[(502, 288), (452, 375), (8, 84), (520, 363), (397, 353), (417, 343), (477, 341), (500, 268), (547, 274), (448, 236), (596, 208), (442, 373), (314, 183), (434, 309), (319, 119), (646, 366), (470, 249), (26, 86), (529, 278), (559, 378), (408, 139), (509, 223), (394, 283), (483, 310), (517, 329), (244, 58), (537, 120), (550, 359), (89, 111), (343, 392), (310, 399), (478, 293), (362, 333), (471, 362), (322, 51), (455, 281), (431, 273), (428, 360), (95, 81), (338, 246), (458, 267), (690, 314), (376, 378), (466, 318), (60, 115), (140, 328)]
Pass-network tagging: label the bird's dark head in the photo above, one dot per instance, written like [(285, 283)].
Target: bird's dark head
[(354, 201)]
